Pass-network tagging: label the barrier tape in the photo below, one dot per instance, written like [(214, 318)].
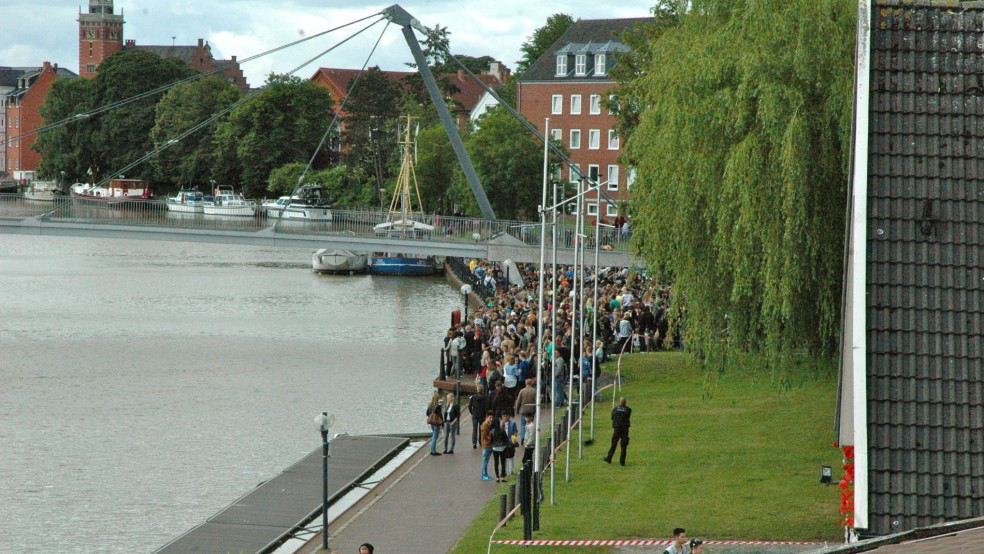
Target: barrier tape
[(645, 542)]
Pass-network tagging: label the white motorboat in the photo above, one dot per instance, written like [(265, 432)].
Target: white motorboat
[(228, 202), (310, 203), (186, 201), (339, 261), (43, 191)]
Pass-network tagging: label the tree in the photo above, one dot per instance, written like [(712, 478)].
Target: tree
[(629, 99), (284, 180), (281, 124), (66, 148), (540, 41), (509, 163), (192, 160), (370, 128), (742, 151), (436, 168), (122, 135)]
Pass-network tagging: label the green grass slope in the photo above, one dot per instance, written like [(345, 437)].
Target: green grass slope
[(725, 456)]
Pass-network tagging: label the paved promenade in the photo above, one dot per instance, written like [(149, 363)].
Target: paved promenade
[(422, 507)]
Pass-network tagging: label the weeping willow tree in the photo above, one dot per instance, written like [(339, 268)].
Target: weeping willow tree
[(741, 149)]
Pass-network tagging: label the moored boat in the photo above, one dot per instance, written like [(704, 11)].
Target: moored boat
[(42, 191), (339, 261), (400, 264), (186, 201), (228, 202), (112, 193), (310, 203)]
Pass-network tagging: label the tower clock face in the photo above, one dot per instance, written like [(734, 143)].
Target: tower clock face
[(90, 33), (113, 35)]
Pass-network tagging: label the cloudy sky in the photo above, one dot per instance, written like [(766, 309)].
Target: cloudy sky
[(34, 31)]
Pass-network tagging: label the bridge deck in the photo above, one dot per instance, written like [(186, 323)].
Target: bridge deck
[(272, 510), (349, 230)]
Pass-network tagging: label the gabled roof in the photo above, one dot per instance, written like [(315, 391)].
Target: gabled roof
[(585, 35), (184, 53), (468, 90), (12, 77), (925, 264)]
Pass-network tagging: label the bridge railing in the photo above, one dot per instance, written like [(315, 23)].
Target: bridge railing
[(154, 213)]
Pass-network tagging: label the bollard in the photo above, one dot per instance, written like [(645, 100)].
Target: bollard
[(502, 509), (536, 501), (512, 496), (442, 373)]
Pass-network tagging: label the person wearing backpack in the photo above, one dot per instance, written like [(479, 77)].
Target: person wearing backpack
[(500, 441)]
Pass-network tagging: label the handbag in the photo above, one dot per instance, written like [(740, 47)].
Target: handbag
[(509, 452), (434, 418)]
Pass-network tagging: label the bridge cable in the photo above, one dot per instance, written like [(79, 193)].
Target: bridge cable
[(223, 112), (334, 119), (164, 88)]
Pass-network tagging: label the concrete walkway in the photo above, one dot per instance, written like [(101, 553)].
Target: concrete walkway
[(422, 507)]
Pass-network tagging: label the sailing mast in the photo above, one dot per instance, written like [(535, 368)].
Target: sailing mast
[(402, 201)]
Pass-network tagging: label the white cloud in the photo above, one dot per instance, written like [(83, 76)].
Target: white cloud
[(43, 30)]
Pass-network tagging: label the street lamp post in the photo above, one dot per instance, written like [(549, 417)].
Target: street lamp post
[(465, 291), (324, 422)]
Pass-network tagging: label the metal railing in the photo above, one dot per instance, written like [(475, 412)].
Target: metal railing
[(154, 213)]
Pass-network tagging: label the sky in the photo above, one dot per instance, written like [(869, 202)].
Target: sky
[(35, 31)]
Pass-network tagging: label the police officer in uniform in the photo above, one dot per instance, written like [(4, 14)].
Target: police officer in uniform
[(620, 423)]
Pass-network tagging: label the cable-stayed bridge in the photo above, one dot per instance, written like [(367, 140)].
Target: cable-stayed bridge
[(349, 230)]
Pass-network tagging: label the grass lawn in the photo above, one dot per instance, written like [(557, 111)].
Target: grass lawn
[(724, 455)]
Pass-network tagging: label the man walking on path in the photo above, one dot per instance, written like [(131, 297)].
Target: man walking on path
[(679, 545), (486, 434), (525, 404), (620, 425)]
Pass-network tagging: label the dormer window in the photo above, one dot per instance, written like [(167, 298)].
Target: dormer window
[(581, 64), (599, 66), (562, 65)]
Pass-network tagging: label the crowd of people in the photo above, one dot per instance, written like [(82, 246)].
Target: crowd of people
[(496, 346)]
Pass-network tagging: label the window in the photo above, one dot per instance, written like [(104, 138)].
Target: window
[(611, 210), (575, 104), (562, 65), (575, 173), (594, 139), (557, 134), (600, 64), (594, 104), (90, 68), (592, 209), (557, 104), (612, 105), (612, 177), (575, 139), (612, 139), (555, 173), (593, 173), (630, 178), (580, 64)]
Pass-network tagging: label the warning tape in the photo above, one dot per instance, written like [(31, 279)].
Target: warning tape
[(644, 542)]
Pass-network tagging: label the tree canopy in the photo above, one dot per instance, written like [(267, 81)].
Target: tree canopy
[(283, 123), (190, 161), (541, 39), (742, 150)]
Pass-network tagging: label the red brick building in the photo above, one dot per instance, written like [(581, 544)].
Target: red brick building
[(22, 91), (567, 85), (100, 36)]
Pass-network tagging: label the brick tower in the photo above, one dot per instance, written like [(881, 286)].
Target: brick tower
[(100, 35)]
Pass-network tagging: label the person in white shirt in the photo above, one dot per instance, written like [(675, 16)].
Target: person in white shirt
[(679, 545)]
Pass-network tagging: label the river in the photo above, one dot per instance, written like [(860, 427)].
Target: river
[(146, 385)]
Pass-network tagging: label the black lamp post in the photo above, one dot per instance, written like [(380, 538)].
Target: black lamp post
[(465, 290), (324, 422)]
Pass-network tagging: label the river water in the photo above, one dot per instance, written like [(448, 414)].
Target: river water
[(144, 386)]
